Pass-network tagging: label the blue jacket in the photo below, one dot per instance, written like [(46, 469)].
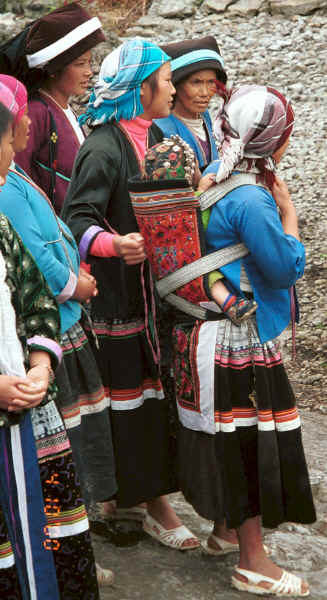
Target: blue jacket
[(37, 225), (172, 125), (249, 214)]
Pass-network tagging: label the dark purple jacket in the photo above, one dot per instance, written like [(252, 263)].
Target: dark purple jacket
[(38, 148)]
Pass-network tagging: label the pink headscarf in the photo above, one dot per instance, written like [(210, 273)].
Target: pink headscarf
[(8, 100), (20, 95), (252, 124)]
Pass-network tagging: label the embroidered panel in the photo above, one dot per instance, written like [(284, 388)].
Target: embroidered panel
[(170, 222)]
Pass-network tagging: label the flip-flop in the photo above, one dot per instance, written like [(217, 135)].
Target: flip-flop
[(174, 538), (288, 585)]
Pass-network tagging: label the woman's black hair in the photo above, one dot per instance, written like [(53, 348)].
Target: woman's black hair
[(5, 119)]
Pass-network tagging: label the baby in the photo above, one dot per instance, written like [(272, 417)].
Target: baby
[(174, 159)]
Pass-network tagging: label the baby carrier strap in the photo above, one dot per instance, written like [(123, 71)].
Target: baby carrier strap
[(199, 267), (218, 191)]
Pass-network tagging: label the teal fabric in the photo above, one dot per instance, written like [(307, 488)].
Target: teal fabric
[(55, 253)]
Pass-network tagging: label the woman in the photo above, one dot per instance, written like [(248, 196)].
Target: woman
[(241, 457), (196, 66), (58, 53), (81, 396), (134, 87), (43, 523)]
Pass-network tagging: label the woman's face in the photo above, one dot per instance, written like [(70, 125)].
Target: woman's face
[(75, 78), (6, 153), (21, 132), (157, 103), (194, 93)]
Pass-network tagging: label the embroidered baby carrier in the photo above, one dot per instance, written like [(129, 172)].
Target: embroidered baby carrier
[(168, 214)]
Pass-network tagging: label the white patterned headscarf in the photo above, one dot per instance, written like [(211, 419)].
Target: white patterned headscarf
[(254, 122)]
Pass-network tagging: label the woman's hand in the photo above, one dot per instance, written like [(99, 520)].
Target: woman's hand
[(130, 248), (86, 287), (287, 209), (281, 195), (17, 393)]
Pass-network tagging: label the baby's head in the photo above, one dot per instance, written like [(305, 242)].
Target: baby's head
[(171, 159)]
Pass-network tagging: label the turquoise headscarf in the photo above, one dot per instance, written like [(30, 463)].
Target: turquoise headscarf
[(116, 95)]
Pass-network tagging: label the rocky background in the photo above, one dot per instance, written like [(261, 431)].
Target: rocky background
[(282, 43)]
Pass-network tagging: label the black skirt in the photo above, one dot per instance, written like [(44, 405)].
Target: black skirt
[(84, 406), (253, 463), (139, 411)]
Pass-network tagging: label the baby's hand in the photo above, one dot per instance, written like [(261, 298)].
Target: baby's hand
[(206, 182)]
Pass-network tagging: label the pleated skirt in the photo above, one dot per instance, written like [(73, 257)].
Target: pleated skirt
[(84, 406), (139, 411), (253, 462)]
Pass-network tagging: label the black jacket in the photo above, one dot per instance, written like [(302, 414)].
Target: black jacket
[(98, 192)]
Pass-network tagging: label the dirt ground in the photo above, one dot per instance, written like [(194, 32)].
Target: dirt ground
[(150, 571)]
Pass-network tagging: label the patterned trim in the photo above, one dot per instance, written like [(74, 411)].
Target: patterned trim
[(241, 358), (7, 559), (52, 445), (69, 289), (265, 420), (199, 415), (86, 405), (133, 398), (118, 329), (86, 240), (50, 345), (64, 524)]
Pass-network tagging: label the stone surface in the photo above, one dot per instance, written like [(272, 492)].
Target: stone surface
[(295, 7), (149, 21), (174, 8), (246, 8), (216, 6)]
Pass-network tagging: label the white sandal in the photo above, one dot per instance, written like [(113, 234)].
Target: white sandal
[(104, 576), (288, 585), (225, 547), (174, 538)]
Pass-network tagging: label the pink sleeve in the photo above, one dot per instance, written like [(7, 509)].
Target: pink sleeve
[(103, 245)]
